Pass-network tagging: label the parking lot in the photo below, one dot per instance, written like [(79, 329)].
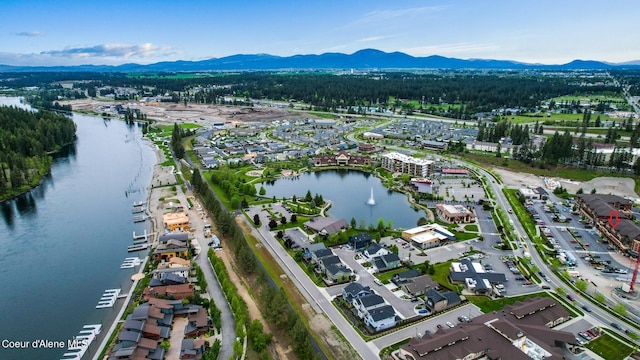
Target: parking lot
[(459, 188)]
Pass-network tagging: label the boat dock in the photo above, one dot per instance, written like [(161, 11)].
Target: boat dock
[(130, 262), (108, 298), (143, 236), (138, 209), (140, 218), (138, 247), (79, 345), (139, 203)]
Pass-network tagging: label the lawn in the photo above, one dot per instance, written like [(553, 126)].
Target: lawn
[(471, 227), (487, 304), (609, 348), (386, 276)]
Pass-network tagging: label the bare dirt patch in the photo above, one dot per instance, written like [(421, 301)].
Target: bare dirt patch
[(603, 185)]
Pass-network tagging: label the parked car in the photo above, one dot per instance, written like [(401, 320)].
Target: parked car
[(570, 297), (546, 287), (377, 281), (463, 318), (450, 324)]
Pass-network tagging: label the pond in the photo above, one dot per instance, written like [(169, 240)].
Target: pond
[(349, 191)]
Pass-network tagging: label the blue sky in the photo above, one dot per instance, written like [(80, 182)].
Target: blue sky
[(66, 32)]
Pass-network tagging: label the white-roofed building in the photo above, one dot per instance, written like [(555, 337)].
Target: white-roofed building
[(428, 236), (400, 163)]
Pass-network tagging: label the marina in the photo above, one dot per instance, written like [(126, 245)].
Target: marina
[(79, 345), (137, 210), (144, 236), (108, 298), (139, 203)]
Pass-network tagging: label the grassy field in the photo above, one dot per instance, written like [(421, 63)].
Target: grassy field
[(553, 118), (487, 304), (609, 348)]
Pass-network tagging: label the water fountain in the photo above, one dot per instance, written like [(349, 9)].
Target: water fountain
[(371, 200)]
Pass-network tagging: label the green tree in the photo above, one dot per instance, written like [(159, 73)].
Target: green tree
[(256, 219), (237, 348), (581, 285), (294, 218), (599, 297), (353, 223), (262, 191), (561, 291), (308, 196), (620, 309), (422, 221)]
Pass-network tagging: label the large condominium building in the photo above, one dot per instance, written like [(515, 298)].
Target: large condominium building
[(396, 162)]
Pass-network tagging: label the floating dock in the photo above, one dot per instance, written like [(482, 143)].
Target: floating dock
[(143, 236), (130, 263), (137, 247), (79, 345), (108, 298), (140, 218), (138, 209), (139, 203)]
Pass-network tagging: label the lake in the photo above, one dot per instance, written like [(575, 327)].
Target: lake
[(63, 242), (349, 191)]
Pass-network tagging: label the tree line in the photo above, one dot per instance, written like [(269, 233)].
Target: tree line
[(26, 141), (274, 303)]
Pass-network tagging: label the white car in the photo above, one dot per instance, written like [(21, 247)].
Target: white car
[(377, 281), (450, 324)]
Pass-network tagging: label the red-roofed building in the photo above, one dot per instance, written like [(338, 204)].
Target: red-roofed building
[(455, 171)]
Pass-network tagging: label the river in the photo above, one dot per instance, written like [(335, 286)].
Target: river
[(349, 192), (62, 243)]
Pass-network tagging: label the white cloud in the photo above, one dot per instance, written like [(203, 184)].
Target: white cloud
[(373, 38), (379, 15), (120, 51), (30, 33)]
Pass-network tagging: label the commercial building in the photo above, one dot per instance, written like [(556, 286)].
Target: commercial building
[(625, 234), (521, 331), (456, 214), (400, 163), (428, 236), (474, 277), (342, 158)]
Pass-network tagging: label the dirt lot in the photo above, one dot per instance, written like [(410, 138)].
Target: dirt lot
[(603, 185), (169, 113)]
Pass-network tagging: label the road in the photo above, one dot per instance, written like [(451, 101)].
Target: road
[(319, 300)]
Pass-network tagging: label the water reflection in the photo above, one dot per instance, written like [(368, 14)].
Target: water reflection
[(26, 204), (6, 207)]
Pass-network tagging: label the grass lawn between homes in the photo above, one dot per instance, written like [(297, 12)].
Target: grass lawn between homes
[(609, 348)]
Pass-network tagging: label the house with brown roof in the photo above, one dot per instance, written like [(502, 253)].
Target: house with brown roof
[(418, 285), (518, 332), (598, 208), (199, 323), (192, 348), (182, 291), (342, 158)]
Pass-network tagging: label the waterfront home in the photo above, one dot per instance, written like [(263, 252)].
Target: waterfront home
[(360, 241), (160, 272), (355, 290), (375, 250), (172, 248), (177, 292), (381, 318), (363, 304), (387, 262), (192, 348), (437, 301), (176, 221), (199, 323), (342, 158)]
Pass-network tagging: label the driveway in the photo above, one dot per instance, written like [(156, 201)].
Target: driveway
[(405, 308)]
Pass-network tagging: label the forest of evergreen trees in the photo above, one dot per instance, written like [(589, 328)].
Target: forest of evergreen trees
[(26, 141)]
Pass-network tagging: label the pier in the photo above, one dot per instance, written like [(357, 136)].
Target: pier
[(79, 345), (137, 210), (143, 236), (108, 298), (140, 218), (139, 204)]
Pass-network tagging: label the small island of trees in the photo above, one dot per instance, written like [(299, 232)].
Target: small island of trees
[(26, 141)]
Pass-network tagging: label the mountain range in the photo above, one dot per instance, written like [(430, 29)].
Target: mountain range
[(361, 60)]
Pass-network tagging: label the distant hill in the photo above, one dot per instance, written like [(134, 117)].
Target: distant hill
[(363, 59)]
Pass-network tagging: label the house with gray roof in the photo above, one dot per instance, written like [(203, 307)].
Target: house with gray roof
[(437, 301), (375, 250), (387, 262), (363, 304), (354, 290), (381, 318), (418, 285), (474, 276), (337, 272), (325, 225)]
